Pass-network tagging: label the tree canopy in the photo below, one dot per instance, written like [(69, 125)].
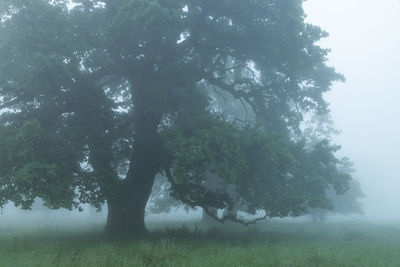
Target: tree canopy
[(344, 204), (98, 99)]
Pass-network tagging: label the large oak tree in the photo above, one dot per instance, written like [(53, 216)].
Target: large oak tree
[(99, 98)]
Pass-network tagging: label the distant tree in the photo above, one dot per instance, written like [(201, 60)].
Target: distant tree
[(101, 98), (344, 204)]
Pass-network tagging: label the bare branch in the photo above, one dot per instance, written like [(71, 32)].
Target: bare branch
[(218, 93), (243, 121), (237, 94), (228, 217), (233, 218), (245, 109), (169, 175), (252, 73), (232, 68), (230, 88)]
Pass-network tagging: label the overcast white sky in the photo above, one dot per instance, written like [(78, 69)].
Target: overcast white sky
[(365, 42)]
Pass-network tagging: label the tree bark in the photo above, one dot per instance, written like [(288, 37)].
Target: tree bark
[(126, 211)]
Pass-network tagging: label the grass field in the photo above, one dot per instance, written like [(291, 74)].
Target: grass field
[(268, 244)]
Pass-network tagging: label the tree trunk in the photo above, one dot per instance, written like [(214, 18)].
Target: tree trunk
[(126, 212), (127, 209)]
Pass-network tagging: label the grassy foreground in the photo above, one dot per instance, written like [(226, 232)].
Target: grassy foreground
[(273, 244)]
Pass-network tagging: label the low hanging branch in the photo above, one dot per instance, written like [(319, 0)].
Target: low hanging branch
[(229, 217), (247, 96), (233, 218)]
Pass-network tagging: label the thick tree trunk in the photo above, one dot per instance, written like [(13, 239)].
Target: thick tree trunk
[(127, 209), (126, 212)]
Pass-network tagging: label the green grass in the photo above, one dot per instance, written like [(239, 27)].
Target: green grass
[(273, 244)]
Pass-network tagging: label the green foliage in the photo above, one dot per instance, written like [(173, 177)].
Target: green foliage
[(205, 144), (33, 163), (102, 97), (347, 202), (255, 163)]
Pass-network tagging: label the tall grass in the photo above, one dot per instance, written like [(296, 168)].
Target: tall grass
[(271, 244)]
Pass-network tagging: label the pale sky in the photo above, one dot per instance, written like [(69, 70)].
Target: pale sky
[(365, 42)]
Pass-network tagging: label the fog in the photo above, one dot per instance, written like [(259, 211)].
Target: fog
[(364, 38)]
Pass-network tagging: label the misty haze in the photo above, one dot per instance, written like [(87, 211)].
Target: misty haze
[(199, 133)]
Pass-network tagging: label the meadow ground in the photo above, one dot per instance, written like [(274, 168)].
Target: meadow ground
[(268, 244)]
